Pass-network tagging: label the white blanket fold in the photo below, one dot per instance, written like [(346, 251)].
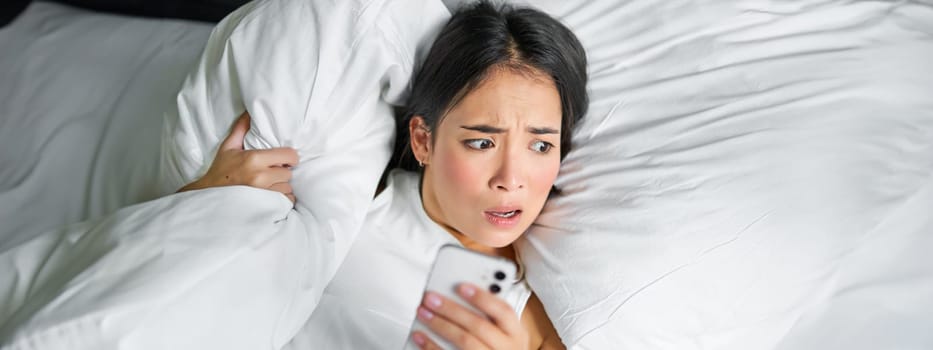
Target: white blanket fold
[(234, 268), (206, 269)]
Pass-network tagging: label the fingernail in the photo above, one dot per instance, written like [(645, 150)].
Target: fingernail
[(467, 290), (424, 314), (432, 300), (418, 338)]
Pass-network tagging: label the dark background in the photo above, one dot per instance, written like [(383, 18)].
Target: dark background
[(201, 10)]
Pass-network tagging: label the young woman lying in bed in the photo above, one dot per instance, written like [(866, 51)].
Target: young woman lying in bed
[(488, 123)]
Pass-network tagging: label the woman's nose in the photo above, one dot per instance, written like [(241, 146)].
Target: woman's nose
[(508, 176)]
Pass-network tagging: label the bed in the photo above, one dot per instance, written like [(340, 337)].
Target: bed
[(751, 175)]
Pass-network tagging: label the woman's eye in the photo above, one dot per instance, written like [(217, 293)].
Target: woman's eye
[(479, 143), (541, 146)]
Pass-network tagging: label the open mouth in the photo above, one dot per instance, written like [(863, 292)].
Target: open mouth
[(503, 219), (506, 214)]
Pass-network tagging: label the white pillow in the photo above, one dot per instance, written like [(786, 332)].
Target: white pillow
[(319, 76), (738, 171), (306, 70)]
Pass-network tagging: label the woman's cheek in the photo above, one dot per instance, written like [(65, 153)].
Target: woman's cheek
[(545, 178), (460, 172), (542, 181)]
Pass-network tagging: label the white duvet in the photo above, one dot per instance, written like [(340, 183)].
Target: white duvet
[(318, 76), (752, 175), (179, 272)]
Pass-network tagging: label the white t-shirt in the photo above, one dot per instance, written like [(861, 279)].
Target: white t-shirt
[(372, 300)]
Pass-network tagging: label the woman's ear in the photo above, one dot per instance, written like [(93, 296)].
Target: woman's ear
[(420, 139)]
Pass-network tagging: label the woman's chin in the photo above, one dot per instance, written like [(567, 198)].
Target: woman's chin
[(488, 235), (499, 238)]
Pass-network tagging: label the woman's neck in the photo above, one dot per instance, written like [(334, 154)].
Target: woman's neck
[(506, 252)]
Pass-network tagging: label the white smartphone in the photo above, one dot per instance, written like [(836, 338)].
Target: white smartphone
[(455, 265)]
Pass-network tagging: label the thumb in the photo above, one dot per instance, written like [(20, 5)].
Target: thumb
[(237, 133)]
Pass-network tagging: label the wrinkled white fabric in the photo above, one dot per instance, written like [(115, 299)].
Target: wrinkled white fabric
[(180, 272), (82, 96), (318, 76), (751, 175), (372, 300), (287, 62)]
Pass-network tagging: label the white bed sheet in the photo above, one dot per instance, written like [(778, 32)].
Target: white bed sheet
[(76, 91), (751, 175), (224, 268), (82, 98), (158, 275)]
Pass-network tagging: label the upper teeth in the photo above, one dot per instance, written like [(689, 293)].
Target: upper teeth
[(505, 215)]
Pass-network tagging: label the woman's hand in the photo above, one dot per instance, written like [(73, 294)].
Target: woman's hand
[(464, 328), (268, 169)]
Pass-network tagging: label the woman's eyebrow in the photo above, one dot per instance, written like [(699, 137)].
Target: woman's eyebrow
[(496, 130), (542, 131), (484, 129)]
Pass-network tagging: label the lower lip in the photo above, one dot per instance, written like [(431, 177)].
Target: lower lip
[(502, 222)]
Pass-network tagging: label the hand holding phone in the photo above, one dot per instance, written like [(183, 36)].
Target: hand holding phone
[(462, 307)]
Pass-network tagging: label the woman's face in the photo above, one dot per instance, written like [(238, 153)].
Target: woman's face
[(493, 159)]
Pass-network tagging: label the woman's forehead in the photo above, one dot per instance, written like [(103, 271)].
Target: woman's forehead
[(507, 97)]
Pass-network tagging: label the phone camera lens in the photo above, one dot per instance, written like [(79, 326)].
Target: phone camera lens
[(499, 275), (495, 289)]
